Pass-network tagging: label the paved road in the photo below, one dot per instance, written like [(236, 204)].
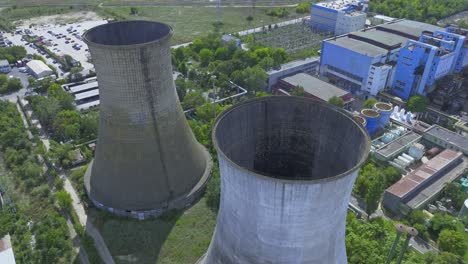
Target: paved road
[(83, 218)]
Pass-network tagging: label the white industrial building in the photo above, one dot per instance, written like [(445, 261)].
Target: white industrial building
[(308, 65), (86, 93), (339, 17), (39, 69)]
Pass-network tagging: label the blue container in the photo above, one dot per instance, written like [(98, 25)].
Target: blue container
[(385, 110), (372, 117)]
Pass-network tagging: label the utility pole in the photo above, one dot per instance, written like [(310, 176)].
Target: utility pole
[(400, 229)]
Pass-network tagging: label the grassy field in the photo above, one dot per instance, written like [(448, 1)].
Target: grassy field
[(192, 22), (177, 237)]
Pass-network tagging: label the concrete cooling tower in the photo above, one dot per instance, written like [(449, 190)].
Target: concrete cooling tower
[(147, 160), (287, 167)]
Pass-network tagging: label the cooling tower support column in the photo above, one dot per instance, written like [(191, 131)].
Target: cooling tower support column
[(287, 167), (147, 160)]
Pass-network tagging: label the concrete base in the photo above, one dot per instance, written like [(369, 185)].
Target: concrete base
[(180, 202)]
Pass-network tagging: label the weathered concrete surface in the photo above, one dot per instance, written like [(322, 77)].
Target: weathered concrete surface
[(147, 159), (287, 166)]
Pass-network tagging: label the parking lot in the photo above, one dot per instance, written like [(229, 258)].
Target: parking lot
[(63, 39)]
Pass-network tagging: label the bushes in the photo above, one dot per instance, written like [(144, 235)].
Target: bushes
[(12, 54), (9, 85), (278, 12), (303, 8)]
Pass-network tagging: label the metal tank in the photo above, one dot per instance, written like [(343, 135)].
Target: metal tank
[(385, 110), (286, 180), (147, 159), (372, 118), (361, 120)]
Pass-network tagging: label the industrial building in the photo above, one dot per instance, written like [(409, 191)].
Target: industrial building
[(393, 143), (147, 160), (85, 93), (404, 55), (2, 41), (339, 17), (417, 188), (286, 179), (381, 19), (308, 65), (462, 60), (4, 66), (38, 69), (313, 88), (6, 251), (447, 139)]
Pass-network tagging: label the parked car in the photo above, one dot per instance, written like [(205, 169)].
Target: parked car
[(66, 42)]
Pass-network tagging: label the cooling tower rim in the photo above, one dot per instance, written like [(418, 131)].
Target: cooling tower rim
[(383, 107), (88, 42), (277, 178), (370, 113)]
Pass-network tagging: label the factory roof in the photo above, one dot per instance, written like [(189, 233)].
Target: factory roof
[(85, 95), (423, 174), (409, 28), (87, 105), (448, 136), (38, 67), (4, 63), (358, 46), (436, 187), (294, 64), (380, 38), (342, 5), (83, 87), (399, 143), (315, 86)]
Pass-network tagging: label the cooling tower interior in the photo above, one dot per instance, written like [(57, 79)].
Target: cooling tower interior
[(147, 159), (297, 141), (287, 168)]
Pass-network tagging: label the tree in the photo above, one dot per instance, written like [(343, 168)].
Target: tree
[(336, 101), (67, 125), (206, 56), (391, 176), (208, 111), (267, 63), (192, 100), (303, 8), (369, 103), (442, 221), (279, 56), (64, 99), (373, 195), (417, 103), (133, 11), (64, 199), (454, 191), (249, 19), (297, 91), (255, 79), (453, 242), (221, 53), (3, 80), (14, 84)]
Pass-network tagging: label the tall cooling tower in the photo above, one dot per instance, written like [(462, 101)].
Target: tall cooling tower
[(147, 159), (287, 166)]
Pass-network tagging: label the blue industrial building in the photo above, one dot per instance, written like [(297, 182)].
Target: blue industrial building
[(338, 17), (462, 60), (405, 56), (423, 62)]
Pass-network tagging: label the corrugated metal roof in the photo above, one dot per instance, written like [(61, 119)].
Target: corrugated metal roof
[(85, 95), (82, 87), (315, 87), (408, 184)]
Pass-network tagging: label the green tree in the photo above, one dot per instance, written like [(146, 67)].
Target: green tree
[(133, 11), (67, 125), (391, 176), (453, 242), (373, 195), (3, 80), (442, 221), (193, 100), (255, 79), (279, 56), (303, 8), (64, 200), (14, 84), (417, 103), (336, 101), (206, 56), (297, 91), (64, 99), (369, 103), (221, 53), (266, 63)]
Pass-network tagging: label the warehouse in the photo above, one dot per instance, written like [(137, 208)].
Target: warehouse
[(446, 138), (86, 93), (38, 69), (313, 88), (338, 17), (431, 175), (308, 65)]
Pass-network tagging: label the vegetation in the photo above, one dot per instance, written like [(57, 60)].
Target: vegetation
[(303, 8), (422, 10), (454, 191), (417, 103), (36, 219), (297, 91), (12, 54), (369, 103), (453, 242), (9, 85), (371, 183), (278, 12), (336, 101)]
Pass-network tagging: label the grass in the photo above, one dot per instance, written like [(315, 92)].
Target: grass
[(176, 237)]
